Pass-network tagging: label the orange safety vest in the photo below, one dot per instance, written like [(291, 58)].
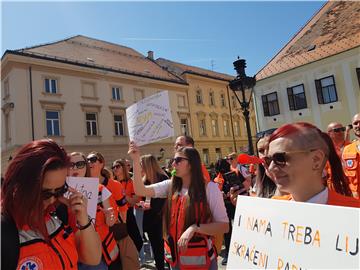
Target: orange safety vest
[(333, 199), (59, 253), (110, 249), (200, 250), (351, 158)]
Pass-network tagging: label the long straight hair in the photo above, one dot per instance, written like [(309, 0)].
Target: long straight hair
[(24, 178), (151, 168), (196, 195)]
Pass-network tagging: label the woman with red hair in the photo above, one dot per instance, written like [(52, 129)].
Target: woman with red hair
[(32, 193), (296, 158)]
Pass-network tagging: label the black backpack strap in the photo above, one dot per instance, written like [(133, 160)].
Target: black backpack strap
[(10, 243)]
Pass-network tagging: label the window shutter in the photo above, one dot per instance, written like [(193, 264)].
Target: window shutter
[(265, 106), (291, 99), (319, 92)]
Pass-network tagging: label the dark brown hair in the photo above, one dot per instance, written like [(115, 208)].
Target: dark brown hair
[(196, 196)]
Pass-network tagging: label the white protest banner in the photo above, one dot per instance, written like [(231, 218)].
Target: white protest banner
[(286, 235), (149, 120), (89, 187)]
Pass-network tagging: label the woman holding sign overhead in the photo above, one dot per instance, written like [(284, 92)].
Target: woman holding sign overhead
[(194, 212), (296, 158), (34, 186)]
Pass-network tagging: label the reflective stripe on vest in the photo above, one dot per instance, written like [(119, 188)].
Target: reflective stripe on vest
[(193, 260)]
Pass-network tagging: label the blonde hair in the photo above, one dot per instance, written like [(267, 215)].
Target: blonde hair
[(151, 168)]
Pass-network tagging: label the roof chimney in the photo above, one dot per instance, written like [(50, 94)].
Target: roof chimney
[(151, 55)]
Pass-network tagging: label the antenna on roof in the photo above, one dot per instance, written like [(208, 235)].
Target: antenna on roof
[(212, 64)]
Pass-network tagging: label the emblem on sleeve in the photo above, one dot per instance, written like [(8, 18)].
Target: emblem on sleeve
[(31, 263)]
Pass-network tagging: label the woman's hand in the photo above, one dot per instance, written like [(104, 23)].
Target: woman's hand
[(186, 236), (134, 151), (77, 203), (109, 216), (234, 193)]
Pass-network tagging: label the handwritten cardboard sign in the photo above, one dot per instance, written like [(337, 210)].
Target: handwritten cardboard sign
[(149, 120), (272, 234), (89, 187)]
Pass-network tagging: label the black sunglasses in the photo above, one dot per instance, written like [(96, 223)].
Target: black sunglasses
[(281, 158), (92, 159), (45, 194), (177, 160), (78, 165), (229, 158), (340, 129), (117, 166)]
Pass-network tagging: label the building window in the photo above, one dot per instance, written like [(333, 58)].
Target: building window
[(222, 100), (7, 127), (116, 93), (212, 99), (270, 104), (184, 127), (358, 75), (206, 156), (91, 124), (234, 101), (226, 128), (214, 127), (297, 98), (202, 127), (181, 101), (119, 125), (138, 94), (326, 90), (218, 153), (236, 128), (198, 97), (53, 123), (50, 86)]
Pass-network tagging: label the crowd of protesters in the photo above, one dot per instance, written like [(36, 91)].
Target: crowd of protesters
[(185, 214)]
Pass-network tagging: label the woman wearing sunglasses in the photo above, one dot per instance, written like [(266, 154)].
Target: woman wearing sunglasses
[(296, 158), (34, 185), (105, 215), (194, 213)]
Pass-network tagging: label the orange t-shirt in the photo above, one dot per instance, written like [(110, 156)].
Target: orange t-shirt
[(205, 173)]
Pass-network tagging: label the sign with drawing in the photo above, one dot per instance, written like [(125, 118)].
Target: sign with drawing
[(89, 187), (274, 234), (149, 120)]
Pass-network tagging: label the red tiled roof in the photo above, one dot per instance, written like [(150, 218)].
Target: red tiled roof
[(101, 54), (180, 69), (334, 29)]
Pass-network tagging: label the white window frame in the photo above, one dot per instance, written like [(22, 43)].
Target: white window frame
[(116, 93), (117, 125), (202, 127), (51, 87), (199, 99), (52, 123), (222, 100), (91, 126)]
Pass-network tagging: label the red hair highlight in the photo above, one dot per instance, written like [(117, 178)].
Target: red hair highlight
[(21, 190)]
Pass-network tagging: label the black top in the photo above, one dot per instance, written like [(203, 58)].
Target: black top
[(153, 216)]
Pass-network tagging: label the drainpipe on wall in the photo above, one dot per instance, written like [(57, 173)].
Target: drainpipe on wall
[(231, 120), (31, 106), (256, 113)]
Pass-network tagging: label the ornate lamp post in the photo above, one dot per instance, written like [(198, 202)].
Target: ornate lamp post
[(240, 84)]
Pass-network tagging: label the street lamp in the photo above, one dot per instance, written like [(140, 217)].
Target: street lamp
[(242, 83)]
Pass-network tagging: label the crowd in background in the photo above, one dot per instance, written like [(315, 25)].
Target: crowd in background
[(181, 210)]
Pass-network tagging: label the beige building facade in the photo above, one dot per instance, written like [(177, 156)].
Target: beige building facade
[(316, 77), (76, 91)]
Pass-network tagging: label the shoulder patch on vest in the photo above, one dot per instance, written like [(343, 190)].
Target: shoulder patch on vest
[(349, 163), (30, 263)]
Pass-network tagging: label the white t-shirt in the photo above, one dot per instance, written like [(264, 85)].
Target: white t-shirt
[(213, 195)]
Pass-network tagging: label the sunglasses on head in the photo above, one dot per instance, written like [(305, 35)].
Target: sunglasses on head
[(46, 194), (78, 165), (340, 129), (281, 158), (117, 166), (177, 160), (92, 159)]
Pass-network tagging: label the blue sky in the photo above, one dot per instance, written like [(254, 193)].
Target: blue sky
[(194, 33)]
